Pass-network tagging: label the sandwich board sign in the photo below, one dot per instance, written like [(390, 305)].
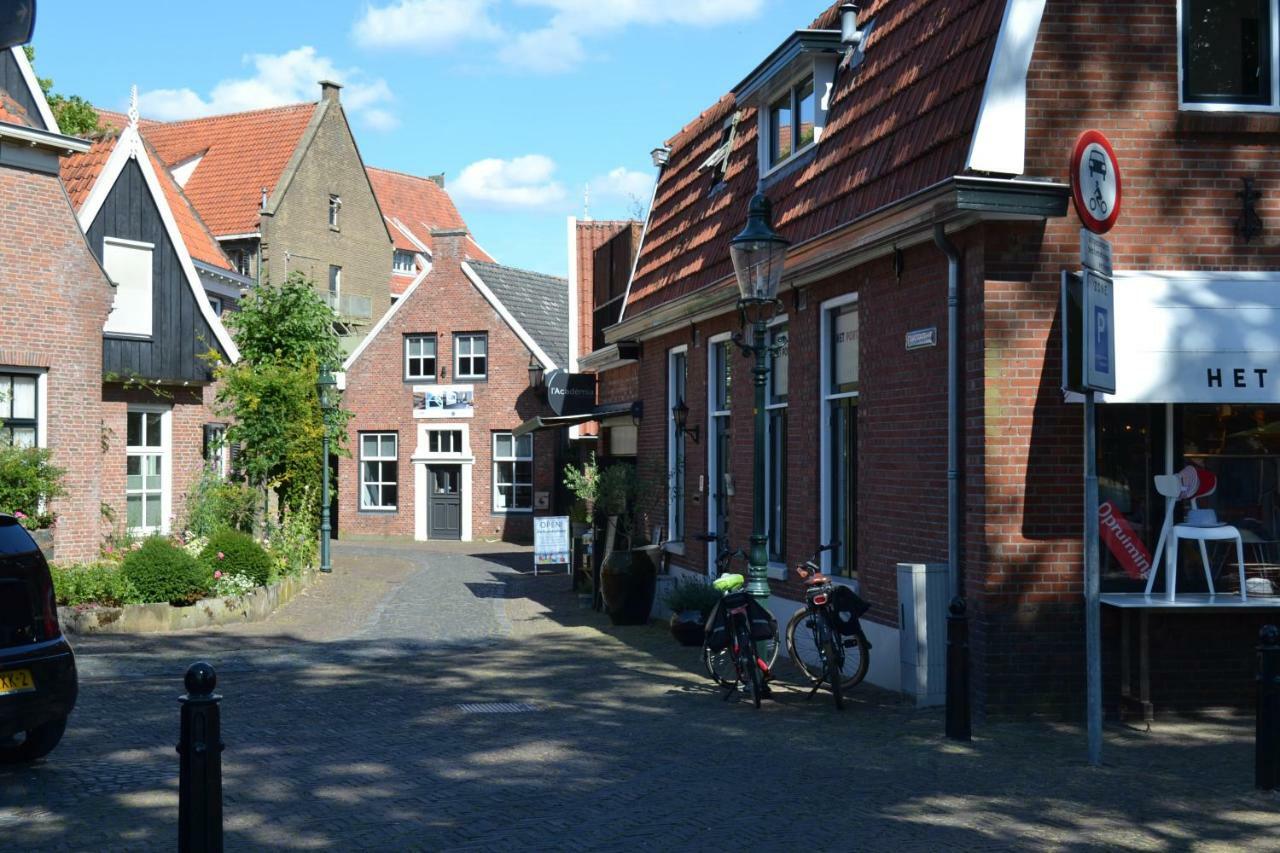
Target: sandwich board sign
[(551, 542)]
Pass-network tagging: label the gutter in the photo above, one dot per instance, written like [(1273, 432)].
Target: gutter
[(43, 138), (954, 510)]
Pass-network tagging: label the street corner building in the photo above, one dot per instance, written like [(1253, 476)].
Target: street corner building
[(442, 381), (918, 157)]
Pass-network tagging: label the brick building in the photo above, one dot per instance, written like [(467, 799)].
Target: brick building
[(936, 150), (442, 381), (56, 300)]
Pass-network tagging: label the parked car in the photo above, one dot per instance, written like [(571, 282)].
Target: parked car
[(38, 684)]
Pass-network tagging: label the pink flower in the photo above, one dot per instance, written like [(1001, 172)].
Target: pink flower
[(110, 549), (221, 556), (217, 576), (19, 514)]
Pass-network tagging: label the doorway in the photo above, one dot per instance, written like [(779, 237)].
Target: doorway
[(444, 508)]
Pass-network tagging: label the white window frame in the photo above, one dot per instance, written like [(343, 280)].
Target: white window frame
[(825, 398), (1220, 107), (408, 375), (335, 211), (219, 460), (382, 459), (823, 70), (715, 476), (458, 355), (777, 569), (675, 438), (134, 317), (40, 403), (437, 435), (164, 451), (515, 483), (397, 254)]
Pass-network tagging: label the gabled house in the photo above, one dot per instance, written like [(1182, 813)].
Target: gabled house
[(441, 382), (284, 190), (157, 431), (56, 300)]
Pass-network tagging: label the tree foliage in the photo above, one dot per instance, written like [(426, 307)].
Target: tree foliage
[(284, 334), (75, 115)]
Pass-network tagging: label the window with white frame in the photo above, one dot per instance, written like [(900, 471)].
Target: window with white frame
[(512, 473), (403, 262), (379, 471), (215, 302), (420, 358), (719, 448), (1228, 55), (128, 265), (146, 469), (792, 121), (335, 207), (444, 441), (839, 472), (215, 448), (19, 409), (471, 356), (335, 285), (775, 487), (677, 384)]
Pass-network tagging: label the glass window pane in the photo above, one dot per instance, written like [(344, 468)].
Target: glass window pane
[(24, 397), (370, 495), (368, 446), (464, 346), (389, 446), (806, 104), (429, 346), (524, 446), (502, 446), (524, 472), (153, 429), (389, 495), (153, 511), (23, 437), (523, 497), (1227, 52), (844, 343), (415, 346), (781, 365), (780, 130), (479, 345), (6, 395), (134, 429), (133, 511)]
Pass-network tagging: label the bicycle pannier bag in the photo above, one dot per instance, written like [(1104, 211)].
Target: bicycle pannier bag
[(717, 630), (848, 606)]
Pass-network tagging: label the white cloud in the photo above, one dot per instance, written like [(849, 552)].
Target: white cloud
[(278, 79), (425, 24), (557, 45), (523, 183), (623, 184)]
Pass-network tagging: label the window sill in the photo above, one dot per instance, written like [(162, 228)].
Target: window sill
[(425, 380), (335, 229), (512, 512), (470, 379), (774, 173), (127, 336), (386, 510), (676, 548), (1227, 119), (777, 571)]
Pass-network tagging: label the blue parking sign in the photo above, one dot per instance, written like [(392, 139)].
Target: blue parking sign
[(1099, 334)]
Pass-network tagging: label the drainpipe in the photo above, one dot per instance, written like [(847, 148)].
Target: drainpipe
[(954, 511)]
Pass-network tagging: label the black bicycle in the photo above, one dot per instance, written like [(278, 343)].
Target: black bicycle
[(742, 640), (830, 648)]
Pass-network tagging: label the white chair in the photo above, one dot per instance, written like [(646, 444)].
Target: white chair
[(1191, 483)]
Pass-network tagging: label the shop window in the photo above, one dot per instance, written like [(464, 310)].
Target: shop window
[(471, 355), (128, 265), (776, 446), (420, 358), (677, 381), (146, 470), (512, 473), (379, 470), (840, 376), (1227, 54), (719, 449), (19, 409)]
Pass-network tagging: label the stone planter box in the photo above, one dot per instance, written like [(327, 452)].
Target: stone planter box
[(161, 618)]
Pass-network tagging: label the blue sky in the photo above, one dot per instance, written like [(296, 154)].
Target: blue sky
[(522, 103)]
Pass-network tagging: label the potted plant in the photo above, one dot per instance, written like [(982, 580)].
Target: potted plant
[(691, 601)]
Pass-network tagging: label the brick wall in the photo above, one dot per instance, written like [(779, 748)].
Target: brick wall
[(444, 303), (56, 299)]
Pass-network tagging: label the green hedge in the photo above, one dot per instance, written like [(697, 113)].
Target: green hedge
[(240, 555), (93, 583), (162, 572)]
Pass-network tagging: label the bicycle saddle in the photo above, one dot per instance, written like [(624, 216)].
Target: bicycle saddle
[(812, 577)]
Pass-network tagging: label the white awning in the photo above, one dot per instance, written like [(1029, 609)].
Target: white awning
[(1197, 337)]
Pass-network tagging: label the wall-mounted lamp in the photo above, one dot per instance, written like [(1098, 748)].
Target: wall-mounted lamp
[(680, 414), (537, 377), (660, 156)]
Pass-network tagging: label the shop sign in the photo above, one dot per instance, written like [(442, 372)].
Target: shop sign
[(551, 541), (444, 401), (1123, 542), (571, 393), (1095, 182), (846, 347), (922, 338)]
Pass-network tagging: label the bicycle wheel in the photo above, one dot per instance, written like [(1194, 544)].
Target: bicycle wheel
[(804, 649), (719, 666), (834, 676)]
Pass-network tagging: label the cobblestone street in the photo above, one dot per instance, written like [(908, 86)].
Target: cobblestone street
[(344, 731)]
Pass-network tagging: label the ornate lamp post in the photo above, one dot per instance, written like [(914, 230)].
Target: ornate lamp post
[(759, 254), (327, 387)]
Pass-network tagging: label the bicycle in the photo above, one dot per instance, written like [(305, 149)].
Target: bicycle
[(743, 656), (840, 653)]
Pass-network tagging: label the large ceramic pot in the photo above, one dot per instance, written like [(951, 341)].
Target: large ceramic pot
[(687, 627), (627, 583)]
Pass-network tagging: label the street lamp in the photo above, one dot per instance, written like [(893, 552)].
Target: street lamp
[(758, 254), (327, 389), (537, 377)]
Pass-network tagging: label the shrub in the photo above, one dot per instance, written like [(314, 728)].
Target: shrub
[(162, 572), (93, 583), (216, 504), (294, 543), (233, 552), (692, 594), (28, 481)]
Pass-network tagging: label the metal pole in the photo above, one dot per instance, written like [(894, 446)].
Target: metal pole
[(200, 764), (957, 725), (1266, 744), (1092, 608), (325, 528), (758, 558)]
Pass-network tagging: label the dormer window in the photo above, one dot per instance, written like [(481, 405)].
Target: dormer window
[(403, 262), (792, 118)]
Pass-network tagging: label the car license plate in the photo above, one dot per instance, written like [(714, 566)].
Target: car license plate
[(17, 681)]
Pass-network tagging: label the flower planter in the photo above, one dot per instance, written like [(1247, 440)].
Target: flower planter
[(627, 583), (687, 627)]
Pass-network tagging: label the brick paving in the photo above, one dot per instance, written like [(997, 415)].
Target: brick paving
[(343, 730)]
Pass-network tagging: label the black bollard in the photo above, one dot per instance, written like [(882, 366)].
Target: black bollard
[(200, 775), (1267, 737), (958, 672)]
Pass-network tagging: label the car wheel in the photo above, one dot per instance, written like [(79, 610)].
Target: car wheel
[(38, 743)]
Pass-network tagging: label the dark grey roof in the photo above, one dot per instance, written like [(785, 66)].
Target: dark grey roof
[(540, 303)]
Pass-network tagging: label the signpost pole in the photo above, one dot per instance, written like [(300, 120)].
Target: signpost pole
[(1092, 608)]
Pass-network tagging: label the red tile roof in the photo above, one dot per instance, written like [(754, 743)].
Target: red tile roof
[(80, 172), (900, 123), (13, 112), (243, 153), (422, 206)]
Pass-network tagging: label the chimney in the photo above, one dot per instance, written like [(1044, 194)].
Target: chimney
[(438, 180), (329, 90), (447, 243)]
